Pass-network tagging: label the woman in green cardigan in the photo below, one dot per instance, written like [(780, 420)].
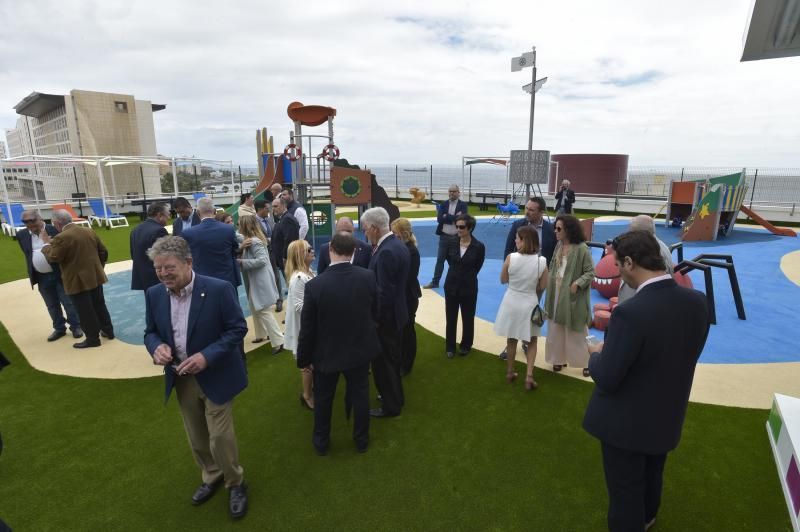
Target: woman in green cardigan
[(567, 302)]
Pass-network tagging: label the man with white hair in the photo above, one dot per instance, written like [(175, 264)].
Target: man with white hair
[(214, 245), (81, 255), (390, 262), (565, 197), (646, 223)]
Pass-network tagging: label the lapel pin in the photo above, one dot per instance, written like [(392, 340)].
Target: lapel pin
[(202, 294)]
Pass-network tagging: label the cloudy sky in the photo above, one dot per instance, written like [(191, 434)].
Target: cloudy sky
[(420, 82)]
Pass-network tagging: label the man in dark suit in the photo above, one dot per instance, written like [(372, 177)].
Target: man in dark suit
[(81, 256), (390, 263), (287, 230), (446, 214), (214, 245), (186, 216), (195, 329), (143, 276), (47, 276), (361, 255), (534, 215), (332, 304), (643, 375)]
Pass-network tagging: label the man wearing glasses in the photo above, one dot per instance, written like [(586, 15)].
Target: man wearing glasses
[(47, 276), (446, 214)]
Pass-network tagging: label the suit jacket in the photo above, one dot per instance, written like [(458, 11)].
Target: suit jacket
[(644, 374), (333, 303), (216, 328), (143, 236), (443, 215), (567, 198), (361, 256), (462, 275), (25, 241), (413, 291), (286, 231), (390, 263), (547, 245), (179, 226), (81, 255), (214, 248)]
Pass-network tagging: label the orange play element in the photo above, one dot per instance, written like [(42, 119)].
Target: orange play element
[(613, 302), (273, 173), (783, 231), (601, 319), (75, 218), (309, 115), (350, 186), (601, 306), (417, 195), (683, 192), (587, 224), (683, 280)]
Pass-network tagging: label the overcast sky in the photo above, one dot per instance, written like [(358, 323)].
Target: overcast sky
[(420, 82)]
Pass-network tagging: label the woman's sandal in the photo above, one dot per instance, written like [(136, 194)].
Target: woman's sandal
[(511, 376), (530, 384)]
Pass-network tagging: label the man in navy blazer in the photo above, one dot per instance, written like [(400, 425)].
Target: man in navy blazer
[(446, 214), (534, 215), (47, 276), (186, 216), (214, 245), (361, 255), (195, 329), (390, 263), (143, 236), (333, 302), (643, 375)]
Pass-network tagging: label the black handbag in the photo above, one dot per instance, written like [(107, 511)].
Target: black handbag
[(537, 316)]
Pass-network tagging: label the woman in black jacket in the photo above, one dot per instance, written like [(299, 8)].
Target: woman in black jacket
[(401, 227), (465, 257)]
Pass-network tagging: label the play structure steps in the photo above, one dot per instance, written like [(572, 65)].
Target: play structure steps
[(783, 430), (783, 231)]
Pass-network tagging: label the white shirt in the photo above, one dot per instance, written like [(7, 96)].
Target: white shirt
[(302, 218), (179, 313), (40, 263), (384, 237), (450, 229), (654, 280)]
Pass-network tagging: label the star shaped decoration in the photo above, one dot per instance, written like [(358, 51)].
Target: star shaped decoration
[(704, 211)]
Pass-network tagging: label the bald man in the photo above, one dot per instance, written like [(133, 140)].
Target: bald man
[(646, 223), (360, 257)]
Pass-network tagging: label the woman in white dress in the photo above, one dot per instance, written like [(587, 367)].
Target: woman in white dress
[(299, 257), (525, 272), (259, 282)]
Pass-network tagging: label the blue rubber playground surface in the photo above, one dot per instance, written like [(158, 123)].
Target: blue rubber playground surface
[(770, 299)]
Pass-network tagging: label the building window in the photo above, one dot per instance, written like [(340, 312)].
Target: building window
[(121, 107)]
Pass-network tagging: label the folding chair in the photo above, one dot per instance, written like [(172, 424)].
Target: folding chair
[(10, 228), (77, 220), (104, 215)]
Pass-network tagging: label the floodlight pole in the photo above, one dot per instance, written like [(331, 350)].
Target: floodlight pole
[(530, 130)]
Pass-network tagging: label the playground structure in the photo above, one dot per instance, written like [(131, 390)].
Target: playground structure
[(417, 196), (709, 209)]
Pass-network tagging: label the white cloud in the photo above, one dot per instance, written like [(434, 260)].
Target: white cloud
[(422, 81)]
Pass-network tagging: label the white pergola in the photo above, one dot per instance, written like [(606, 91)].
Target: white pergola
[(109, 162)]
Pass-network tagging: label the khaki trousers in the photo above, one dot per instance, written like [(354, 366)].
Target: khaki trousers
[(209, 427)]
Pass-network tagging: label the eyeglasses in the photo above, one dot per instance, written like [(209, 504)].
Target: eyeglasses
[(613, 242), (29, 221), (559, 229), (461, 227), (310, 250)]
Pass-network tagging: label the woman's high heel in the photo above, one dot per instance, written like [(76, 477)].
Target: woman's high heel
[(511, 376), (530, 384), (304, 403)]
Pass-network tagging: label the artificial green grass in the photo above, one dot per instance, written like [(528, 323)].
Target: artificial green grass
[(470, 452)]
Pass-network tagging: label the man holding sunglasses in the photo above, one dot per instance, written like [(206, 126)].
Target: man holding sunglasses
[(47, 276)]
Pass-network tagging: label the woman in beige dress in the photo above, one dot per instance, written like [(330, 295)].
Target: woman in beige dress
[(567, 302)]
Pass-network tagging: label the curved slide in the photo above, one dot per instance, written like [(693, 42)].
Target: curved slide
[(772, 229)]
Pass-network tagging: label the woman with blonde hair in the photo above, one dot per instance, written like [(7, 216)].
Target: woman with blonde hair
[(401, 227), (259, 282), (299, 257)]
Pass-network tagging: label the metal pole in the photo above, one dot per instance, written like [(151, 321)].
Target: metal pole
[(431, 182), (194, 171), (469, 194), (8, 200), (175, 177), (753, 191), (530, 130), (241, 187), (396, 183), (233, 183), (77, 190), (102, 190), (114, 182)]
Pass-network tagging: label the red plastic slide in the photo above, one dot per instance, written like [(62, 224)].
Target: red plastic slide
[(772, 229)]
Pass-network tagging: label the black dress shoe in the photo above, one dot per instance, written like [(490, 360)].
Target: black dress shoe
[(86, 343), (450, 354), (55, 335), (279, 305), (431, 285), (504, 355), (205, 492), (361, 448), (277, 350), (77, 332), (237, 503), (380, 412), (464, 352), (258, 340), (321, 451), (107, 335)]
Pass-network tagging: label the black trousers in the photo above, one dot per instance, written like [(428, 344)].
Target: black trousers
[(92, 311), (357, 381), (467, 303), (634, 483), (386, 370), (408, 347)]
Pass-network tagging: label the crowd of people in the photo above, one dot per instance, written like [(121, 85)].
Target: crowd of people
[(195, 327)]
